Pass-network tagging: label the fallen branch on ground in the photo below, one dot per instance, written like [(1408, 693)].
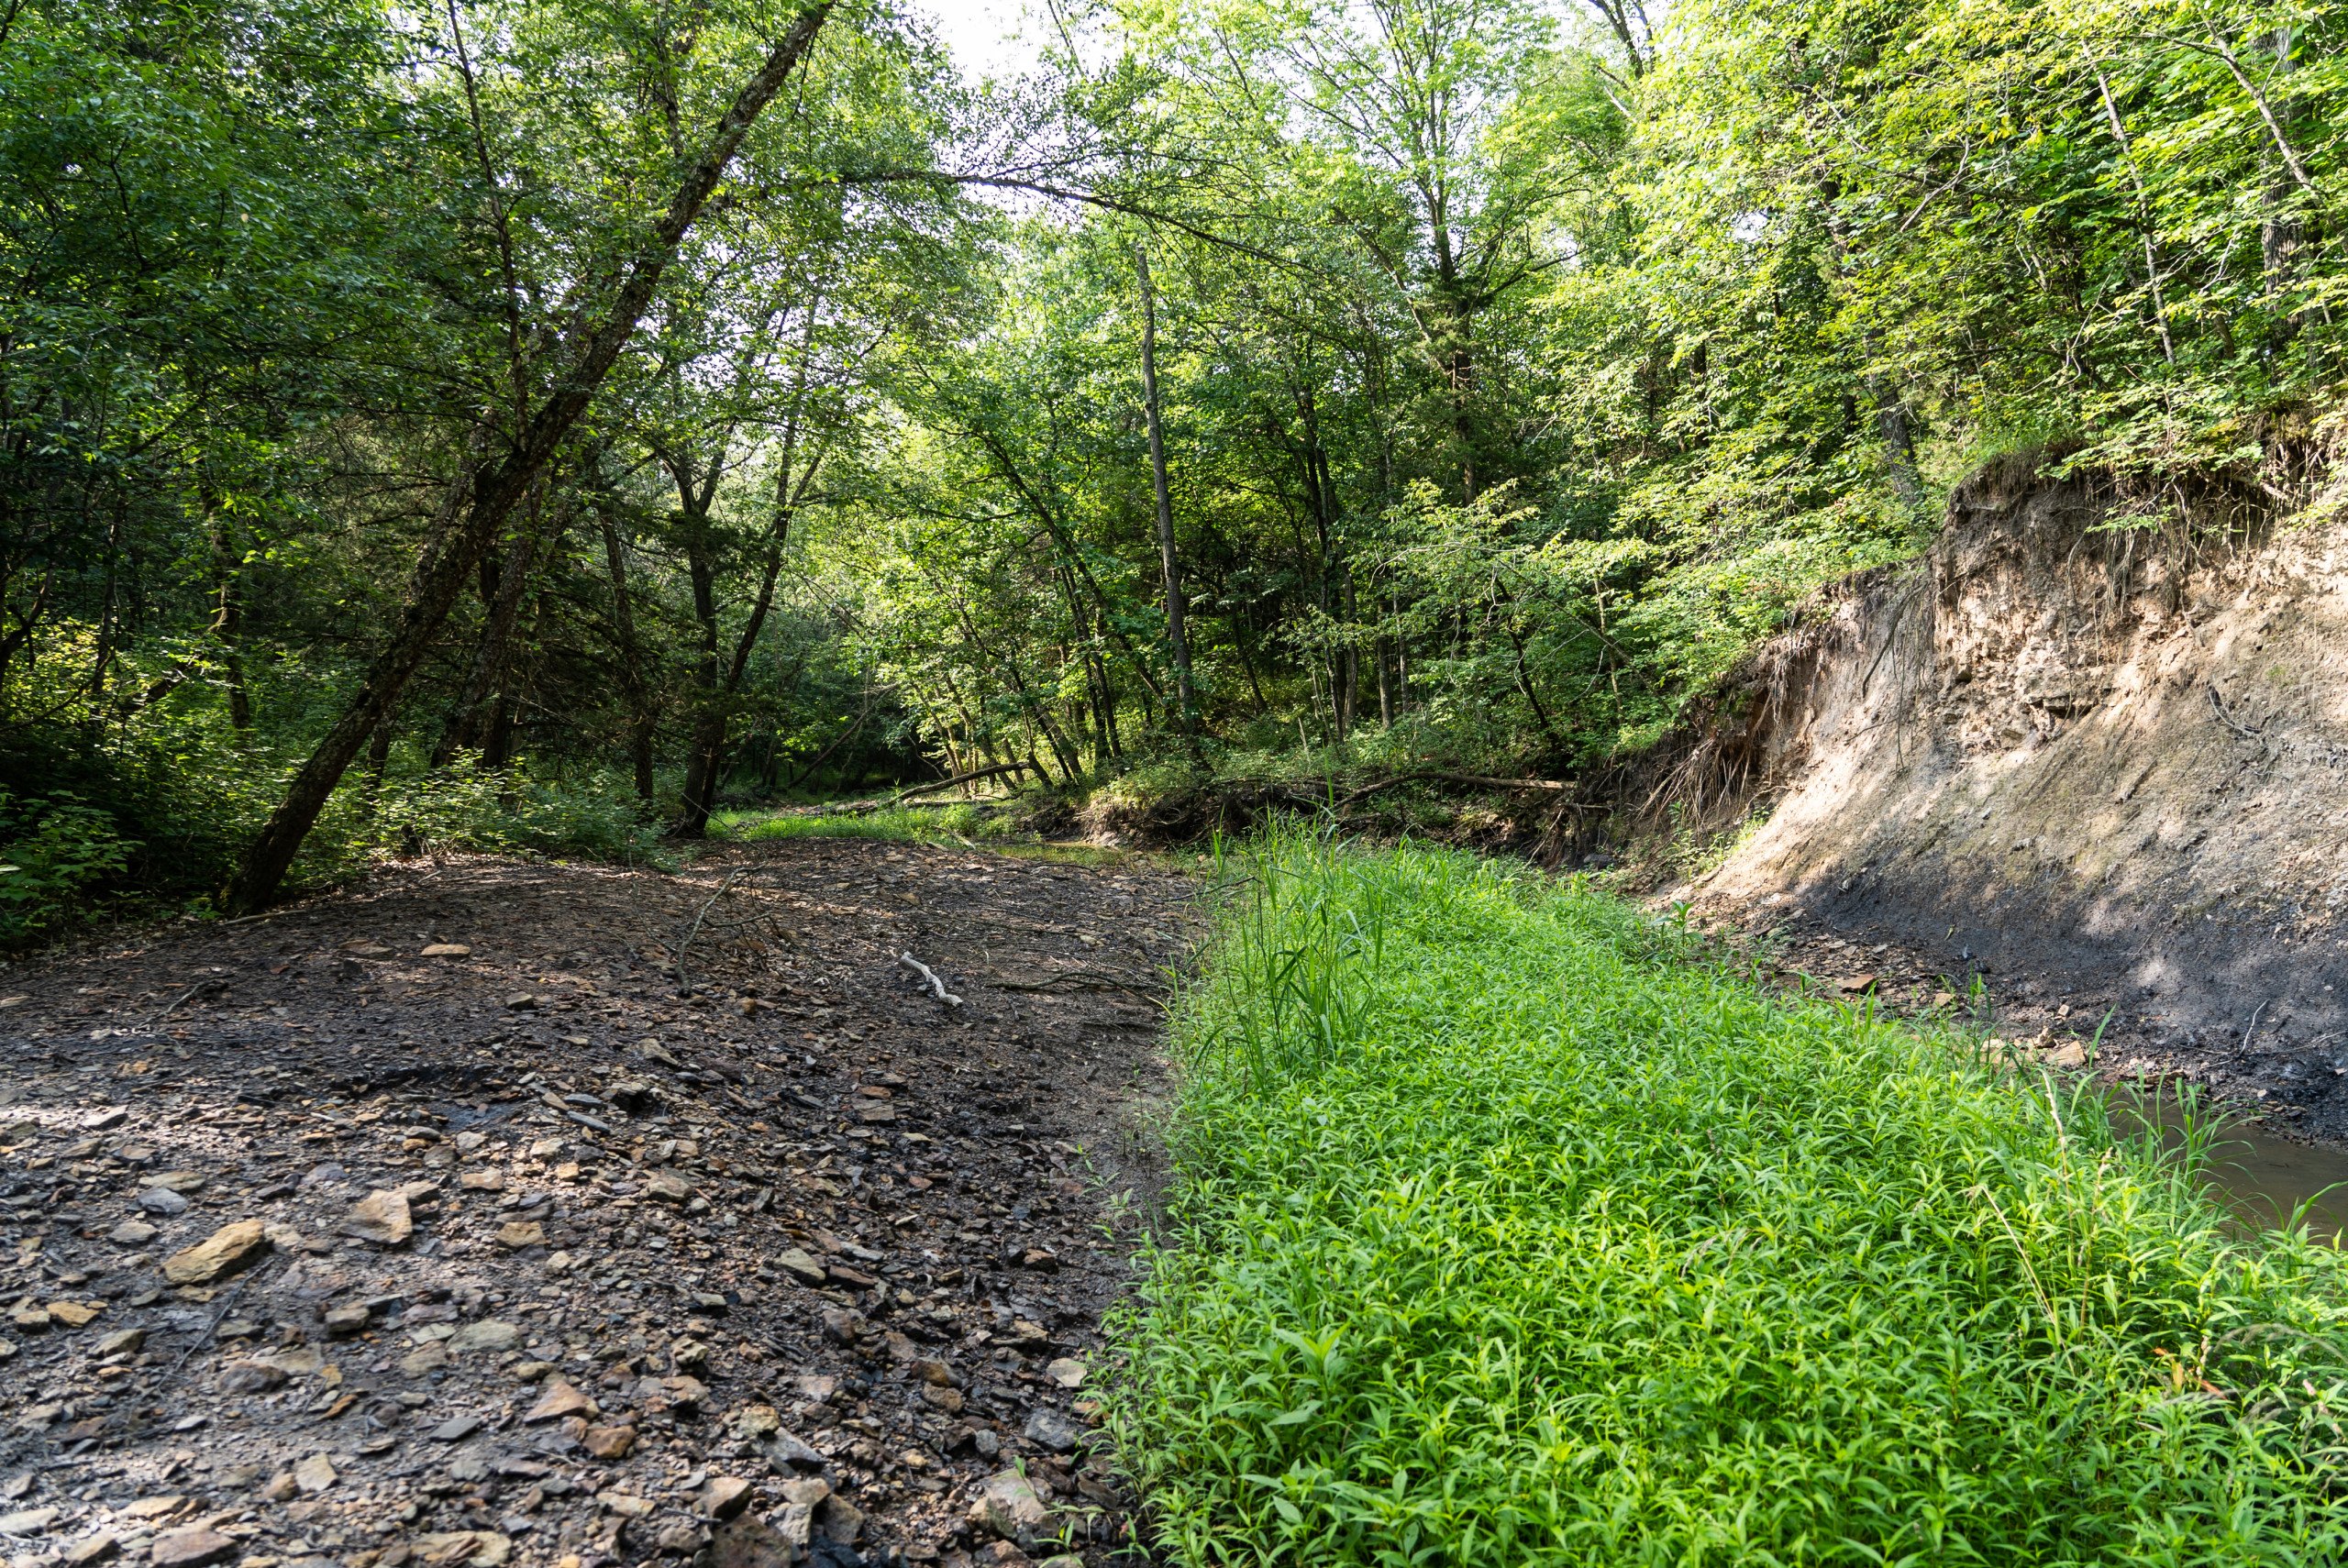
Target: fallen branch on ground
[(858, 808), (997, 771), (935, 985), (684, 987), (1474, 781)]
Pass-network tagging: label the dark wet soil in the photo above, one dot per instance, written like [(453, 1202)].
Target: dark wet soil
[(795, 1241)]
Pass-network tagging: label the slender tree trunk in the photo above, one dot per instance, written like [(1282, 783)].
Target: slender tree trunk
[(803, 775), (1381, 654), (1524, 684), (1169, 565), (497, 747), (708, 734), (228, 609), (1038, 715), (1247, 663), (2144, 217), (1898, 440), (480, 701), (973, 732), (1351, 657), (485, 490), (705, 762), (639, 693), (379, 755)]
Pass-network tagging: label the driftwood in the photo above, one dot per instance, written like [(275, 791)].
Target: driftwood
[(858, 808), (936, 985), (1474, 781)]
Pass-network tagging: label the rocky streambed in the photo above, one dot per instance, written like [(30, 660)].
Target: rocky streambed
[(435, 1222)]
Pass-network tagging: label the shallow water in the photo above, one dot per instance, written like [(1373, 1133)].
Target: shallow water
[(2261, 1177)]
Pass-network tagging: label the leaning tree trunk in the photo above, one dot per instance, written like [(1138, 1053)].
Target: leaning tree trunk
[(486, 489)]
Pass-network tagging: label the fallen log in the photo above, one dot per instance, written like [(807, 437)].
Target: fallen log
[(1473, 780)]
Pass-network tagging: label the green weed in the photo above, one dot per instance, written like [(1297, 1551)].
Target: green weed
[(1508, 1230), (898, 824)]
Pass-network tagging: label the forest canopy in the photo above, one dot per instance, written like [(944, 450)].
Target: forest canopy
[(545, 424)]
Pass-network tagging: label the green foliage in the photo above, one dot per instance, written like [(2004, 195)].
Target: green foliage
[(55, 852), (1515, 385), (898, 824), (136, 808), (1503, 1233), (413, 812), (1517, 371)]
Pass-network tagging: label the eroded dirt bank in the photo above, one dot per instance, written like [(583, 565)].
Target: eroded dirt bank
[(2104, 767), (429, 1223)]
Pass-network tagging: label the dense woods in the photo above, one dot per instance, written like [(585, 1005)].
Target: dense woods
[(542, 424)]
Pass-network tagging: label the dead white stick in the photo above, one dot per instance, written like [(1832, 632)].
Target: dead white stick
[(935, 985)]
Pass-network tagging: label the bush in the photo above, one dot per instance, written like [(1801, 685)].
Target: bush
[(56, 853)]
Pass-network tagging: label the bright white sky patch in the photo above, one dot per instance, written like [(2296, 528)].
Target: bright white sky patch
[(985, 34)]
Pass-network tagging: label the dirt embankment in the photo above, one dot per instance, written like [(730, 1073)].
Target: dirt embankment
[(2105, 767)]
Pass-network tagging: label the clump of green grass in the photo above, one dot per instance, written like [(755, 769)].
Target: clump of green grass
[(900, 824), (970, 826), (1507, 1228)]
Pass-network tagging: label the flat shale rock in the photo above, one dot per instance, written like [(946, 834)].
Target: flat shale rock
[(380, 1217), (193, 1547), (465, 1548), (559, 1402), (224, 1253), (1007, 1506), (795, 1262), (487, 1335), (747, 1542)]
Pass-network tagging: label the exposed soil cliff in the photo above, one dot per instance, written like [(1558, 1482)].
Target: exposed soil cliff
[(2102, 764)]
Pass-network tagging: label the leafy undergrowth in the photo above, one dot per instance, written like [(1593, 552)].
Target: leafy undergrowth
[(896, 823), (973, 824), (1508, 1229)]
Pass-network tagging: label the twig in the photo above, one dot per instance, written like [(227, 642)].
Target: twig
[(936, 985), (684, 987), (205, 1338), (2218, 706), (248, 920), (178, 1002)]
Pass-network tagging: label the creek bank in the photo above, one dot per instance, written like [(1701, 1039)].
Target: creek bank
[(2101, 767)]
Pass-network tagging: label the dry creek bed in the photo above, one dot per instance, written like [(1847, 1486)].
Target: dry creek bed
[(426, 1222)]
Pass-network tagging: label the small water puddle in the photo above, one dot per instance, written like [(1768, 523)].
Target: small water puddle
[(2260, 1177)]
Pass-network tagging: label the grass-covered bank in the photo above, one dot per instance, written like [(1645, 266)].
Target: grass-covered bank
[(1503, 1233)]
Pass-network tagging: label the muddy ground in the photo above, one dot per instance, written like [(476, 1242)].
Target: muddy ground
[(429, 1222), (2066, 1017)]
